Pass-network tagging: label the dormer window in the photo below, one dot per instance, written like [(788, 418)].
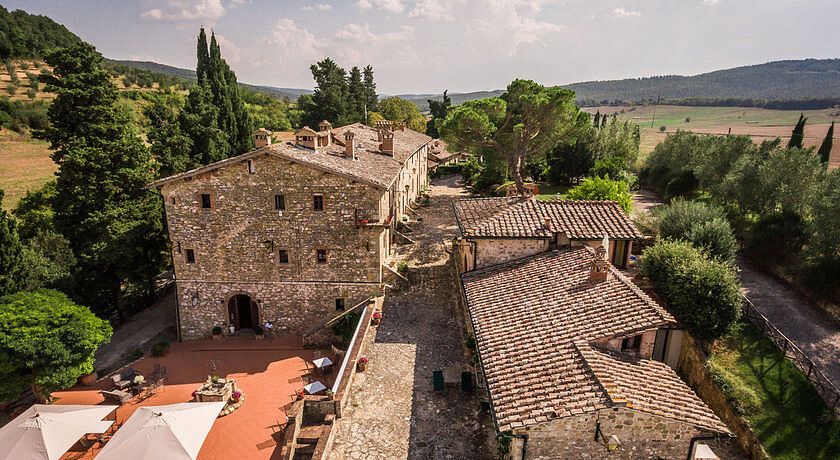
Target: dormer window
[(632, 344)]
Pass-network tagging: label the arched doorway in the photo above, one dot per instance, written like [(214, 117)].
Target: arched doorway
[(243, 312)]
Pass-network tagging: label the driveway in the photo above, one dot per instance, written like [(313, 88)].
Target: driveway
[(394, 412)]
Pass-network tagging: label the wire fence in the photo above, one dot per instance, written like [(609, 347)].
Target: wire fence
[(824, 387)]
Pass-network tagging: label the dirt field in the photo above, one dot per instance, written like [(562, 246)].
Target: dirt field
[(25, 164), (759, 123)]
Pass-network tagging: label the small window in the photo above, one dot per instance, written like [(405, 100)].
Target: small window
[(284, 256), (190, 256), (339, 304), (206, 203), (322, 256), (279, 202), (631, 343), (252, 167), (318, 202)]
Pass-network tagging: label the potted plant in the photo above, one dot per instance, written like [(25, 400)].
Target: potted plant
[(236, 396), (300, 394), (362, 221), (214, 379), (217, 332), (361, 365), (376, 318), (258, 332)]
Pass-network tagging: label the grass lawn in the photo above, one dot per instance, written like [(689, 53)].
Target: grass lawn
[(26, 165), (552, 192), (781, 406)]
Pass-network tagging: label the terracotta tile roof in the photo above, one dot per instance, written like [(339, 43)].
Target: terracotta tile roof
[(518, 217), (526, 337), (370, 166), (647, 386)]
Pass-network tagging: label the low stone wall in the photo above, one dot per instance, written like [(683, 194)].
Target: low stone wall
[(356, 350), (692, 368), (295, 418)]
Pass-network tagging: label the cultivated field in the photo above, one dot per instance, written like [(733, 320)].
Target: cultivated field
[(761, 124), (25, 164)]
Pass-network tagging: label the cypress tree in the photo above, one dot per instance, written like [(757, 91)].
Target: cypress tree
[(825, 147), (798, 134), (371, 99), (202, 68), (170, 147), (113, 224), (11, 254), (356, 90), (439, 110), (603, 121), (198, 122), (597, 122)]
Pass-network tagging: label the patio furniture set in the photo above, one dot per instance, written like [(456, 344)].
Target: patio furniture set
[(130, 384)]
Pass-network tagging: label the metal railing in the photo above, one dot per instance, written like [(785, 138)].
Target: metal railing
[(824, 387)]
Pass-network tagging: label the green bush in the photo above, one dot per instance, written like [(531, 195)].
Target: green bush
[(135, 354), (11, 89), (662, 128), (345, 326), (699, 223), (716, 237), (402, 267), (160, 348), (217, 330), (777, 238), (446, 170), (603, 188), (702, 293)]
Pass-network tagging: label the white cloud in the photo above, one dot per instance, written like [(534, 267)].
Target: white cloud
[(625, 13), (230, 52), (710, 2), (434, 10), (502, 27), (183, 10), (391, 6), (317, 7), (292, 40)]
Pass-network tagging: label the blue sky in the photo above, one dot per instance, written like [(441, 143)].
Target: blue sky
[(460, 45)]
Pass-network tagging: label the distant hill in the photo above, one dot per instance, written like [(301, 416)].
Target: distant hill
[(291, 93), (24, 35), (780, 80), (783, 81)]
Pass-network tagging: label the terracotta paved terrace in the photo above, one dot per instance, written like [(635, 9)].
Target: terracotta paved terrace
[(268, 372)]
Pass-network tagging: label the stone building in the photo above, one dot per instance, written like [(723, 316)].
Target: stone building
[(494, 230), (571, 359), (291, 232)]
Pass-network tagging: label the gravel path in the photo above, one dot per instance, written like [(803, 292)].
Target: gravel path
[(153, 324), (808, 326), (393, 411)]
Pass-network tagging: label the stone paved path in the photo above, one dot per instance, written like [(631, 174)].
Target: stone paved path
[(809, 327), (393, 412)]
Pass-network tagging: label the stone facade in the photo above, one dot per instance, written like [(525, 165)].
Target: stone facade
[(292, 237), (642, 436), (493, 251)]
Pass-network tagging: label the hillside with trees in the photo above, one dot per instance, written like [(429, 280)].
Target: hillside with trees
[(24, 35)]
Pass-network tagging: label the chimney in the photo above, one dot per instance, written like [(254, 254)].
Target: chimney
[(547, 224), (262, 137), (325, 126), (600, 269), (349, 147), (387, 145)]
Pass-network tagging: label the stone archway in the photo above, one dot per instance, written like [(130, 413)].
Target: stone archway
[(243, 312)]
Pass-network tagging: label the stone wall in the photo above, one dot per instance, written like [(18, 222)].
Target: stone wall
[(493, 251), (294, 308), (641, 435), (692, 368), (241, 235)]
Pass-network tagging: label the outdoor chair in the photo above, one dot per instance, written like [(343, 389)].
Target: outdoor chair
[(117, 396), (437, 380), (124, 379)]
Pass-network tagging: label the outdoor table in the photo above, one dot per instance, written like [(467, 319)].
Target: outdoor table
[(324, 365), (314, 387)]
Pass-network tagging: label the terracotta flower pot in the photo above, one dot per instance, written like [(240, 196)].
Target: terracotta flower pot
[(361, 366), (88, 379)]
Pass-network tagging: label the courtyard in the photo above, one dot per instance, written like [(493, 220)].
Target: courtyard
[(269, 373), (393, 411)]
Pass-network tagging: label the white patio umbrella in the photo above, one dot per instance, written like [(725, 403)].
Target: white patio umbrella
[(48, 431), (173, 432)]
